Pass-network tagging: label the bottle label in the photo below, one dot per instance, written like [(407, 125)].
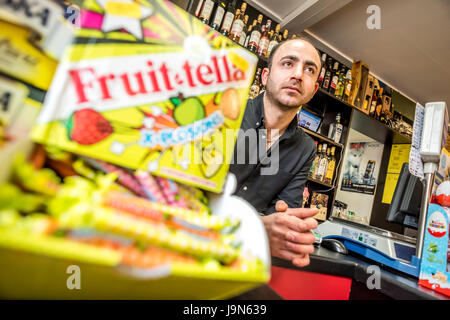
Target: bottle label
[(242, 38), (272, 44), (322, 168), (228, 21), (238, 26), (334, 82), (348, 89), (330, 170), (199, 7), (263, 44), (207, 9), (218, 17), (254, 38), (254, 90), (322, 74), (338, 133)]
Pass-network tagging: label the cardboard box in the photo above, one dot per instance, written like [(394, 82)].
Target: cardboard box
[(360, 73), (320, 201)]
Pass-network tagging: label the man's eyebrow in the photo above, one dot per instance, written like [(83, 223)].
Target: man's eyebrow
[(290, 57), (311, 63)]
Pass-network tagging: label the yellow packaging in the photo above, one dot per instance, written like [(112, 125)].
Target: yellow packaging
[(149, 88)]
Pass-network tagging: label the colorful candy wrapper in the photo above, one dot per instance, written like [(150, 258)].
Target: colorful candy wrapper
[(150, 187)]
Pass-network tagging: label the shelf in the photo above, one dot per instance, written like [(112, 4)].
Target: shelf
[(321, 137), (320, 182)]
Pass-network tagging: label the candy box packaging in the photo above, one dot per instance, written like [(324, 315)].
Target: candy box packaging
[(434, 268), (147, 86)]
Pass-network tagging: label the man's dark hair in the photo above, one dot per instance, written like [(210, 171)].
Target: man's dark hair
[(274, 50)]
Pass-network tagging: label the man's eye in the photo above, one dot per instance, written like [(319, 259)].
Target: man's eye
[(311, 70), (287, 63)]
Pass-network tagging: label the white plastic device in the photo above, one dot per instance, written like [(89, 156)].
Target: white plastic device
[(434, 134)]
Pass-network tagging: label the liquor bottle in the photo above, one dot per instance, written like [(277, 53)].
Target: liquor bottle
[(379, 104), (327, 79), (256, 86), (315, 164), (347, 86), (238, 24), (323, 163), (373, 103), (285, 34), (386, 109), (218, 15), (249, 32), (199, 8), (334, 78), (323, 69), (335, 130), (294, 36), (243, 32), (264, 41), (330, 168), (255, 36), (339, 91), (207, 9), (228, 19), (273, 40)]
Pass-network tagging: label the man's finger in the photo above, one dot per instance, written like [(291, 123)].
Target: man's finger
[(300, 237), (301, 261), (298, 225), (299, 248), (281, 206), (302, 212)]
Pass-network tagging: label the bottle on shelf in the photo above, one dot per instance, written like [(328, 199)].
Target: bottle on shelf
[(256, 86), (199, 8), (373, 103), (327, 79), (244, 31), (386, 109), (294, 36), (347, 85), (334, 78), (315, 164), (264, 41), (379, 104), (218, 15), (255, 36), (339, 91), (323, 163), (207, 9), (331, 167), (228, 18), (249, 31), (323, 69), (285, 34), (238, 23), (273, 40), (335, 130)]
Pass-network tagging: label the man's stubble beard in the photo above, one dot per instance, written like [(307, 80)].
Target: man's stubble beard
[(271, 95)]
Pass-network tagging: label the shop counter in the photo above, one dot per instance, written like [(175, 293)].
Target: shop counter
[(335, 276)]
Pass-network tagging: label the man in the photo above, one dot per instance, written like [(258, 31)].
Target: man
[(290, 81)]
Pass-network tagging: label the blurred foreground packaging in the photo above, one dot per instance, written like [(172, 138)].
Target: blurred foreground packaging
[(126, 183)]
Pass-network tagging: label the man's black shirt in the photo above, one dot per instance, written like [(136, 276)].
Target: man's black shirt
[(263, 180)]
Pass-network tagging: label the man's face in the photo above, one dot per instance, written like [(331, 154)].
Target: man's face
[(292, 79)]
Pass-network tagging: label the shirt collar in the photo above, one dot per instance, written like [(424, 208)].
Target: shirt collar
[(257, 115)]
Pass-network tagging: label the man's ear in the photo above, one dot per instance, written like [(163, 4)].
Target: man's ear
[(317, 87), (264, 76)]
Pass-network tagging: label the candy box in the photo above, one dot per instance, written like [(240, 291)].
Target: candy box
[(147, 86), (434, 272)]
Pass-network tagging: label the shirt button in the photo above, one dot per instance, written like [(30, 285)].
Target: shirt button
[(245, 188), (263, 136), (257, 123)]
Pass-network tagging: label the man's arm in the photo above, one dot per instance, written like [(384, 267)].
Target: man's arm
[(288, 227)]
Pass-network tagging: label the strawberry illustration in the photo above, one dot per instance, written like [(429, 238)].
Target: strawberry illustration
[(87, 126)]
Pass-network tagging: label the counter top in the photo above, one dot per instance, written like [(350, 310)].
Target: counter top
[(393, 284)]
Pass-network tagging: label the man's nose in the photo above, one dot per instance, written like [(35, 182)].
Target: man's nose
[(298, 72)]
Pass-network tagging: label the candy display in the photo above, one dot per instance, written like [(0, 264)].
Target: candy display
[(115, 155)]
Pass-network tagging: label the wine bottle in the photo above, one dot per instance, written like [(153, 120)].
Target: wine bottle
[(273, 40), (243, 32), (228, 18), (264, 41), (218, 15), (238, 24), (205, 14), (255, 36)]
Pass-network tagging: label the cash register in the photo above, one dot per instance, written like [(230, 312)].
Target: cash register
[(409, 204)]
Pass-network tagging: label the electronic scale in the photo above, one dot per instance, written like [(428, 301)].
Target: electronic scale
[(388, 248)]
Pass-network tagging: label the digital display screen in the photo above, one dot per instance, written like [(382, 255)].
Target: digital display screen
[(309, 120)]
